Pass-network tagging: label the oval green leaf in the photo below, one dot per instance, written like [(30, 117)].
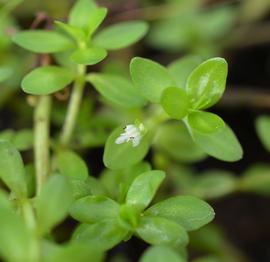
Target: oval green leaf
[(188, 211), (117, 89), (161, 231), (120, 35), (263, 128), (205, 122), (175, 102), (47, 80), (89, 56), (143, 189), (207, 82), (150, 78), (40, 41)]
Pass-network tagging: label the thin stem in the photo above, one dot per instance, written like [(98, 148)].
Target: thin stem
[(73, 107), (42, 140)]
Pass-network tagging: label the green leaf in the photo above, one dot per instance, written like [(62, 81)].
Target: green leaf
[(92, 209), (205, 122), (121, 35), (262, 125), (174, 140), (73, 252), (161, 231), (124, 155), (5, 203), (71, 165), (213, 184), (76, 33), (80, 188), (12, 169), (117, 89), (222, 145), (256, 179), (206, 84), (181, 69), (40, 41), (128, 217), (16, 241), (103, 235), (47, 80), (161, 254), (143, 189), (53, 203), (175, 102), (86, 15), (89, 56), (150, 78), (189, 212), (23, 139)]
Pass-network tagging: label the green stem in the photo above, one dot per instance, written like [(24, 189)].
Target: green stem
[(73, 107), (42, 140)]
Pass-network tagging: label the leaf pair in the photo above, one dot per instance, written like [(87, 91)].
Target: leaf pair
[(202, 89), (106, 223)]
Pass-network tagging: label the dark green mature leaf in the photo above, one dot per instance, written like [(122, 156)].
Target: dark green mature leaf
[(207, 82), (222, 145), (150, 78), (175, 102), (121, 35), (89, 56), (120, 156), (16, 242), (263, 128), (173, 139), (103, 235), (117, 89), (205, 122), (92, 209), (143, 189), (40, 41), (181, 69), (12, 169), (46, 80), (161, 231), (53, 203), (161, 254), (71, 165), (188, 211)]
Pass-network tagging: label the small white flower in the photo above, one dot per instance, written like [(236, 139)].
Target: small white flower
[(132, 133)]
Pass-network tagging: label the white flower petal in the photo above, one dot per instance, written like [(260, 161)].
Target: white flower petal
[(121, 139)]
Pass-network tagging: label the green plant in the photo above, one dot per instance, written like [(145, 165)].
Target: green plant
[(39, 195)]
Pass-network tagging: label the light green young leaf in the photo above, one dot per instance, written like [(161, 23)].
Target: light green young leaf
[(40, 41), (173, 139), (222, 145), (89, 56), (120, 156), (161, 231), (103, 235), (207, 82), (181, 69), (71, 165), (188, 211), (92, 209), (5, 203), (161, 254), (16, 242), (76, 33), (205, 122), (117, 89), (143, 189), (121, 35), (12, 169), (150, 78), (175, 102), (47, 80), (53, 203), (262, 125)]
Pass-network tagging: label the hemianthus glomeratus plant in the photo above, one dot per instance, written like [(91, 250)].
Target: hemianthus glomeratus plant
[(55, 185)]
